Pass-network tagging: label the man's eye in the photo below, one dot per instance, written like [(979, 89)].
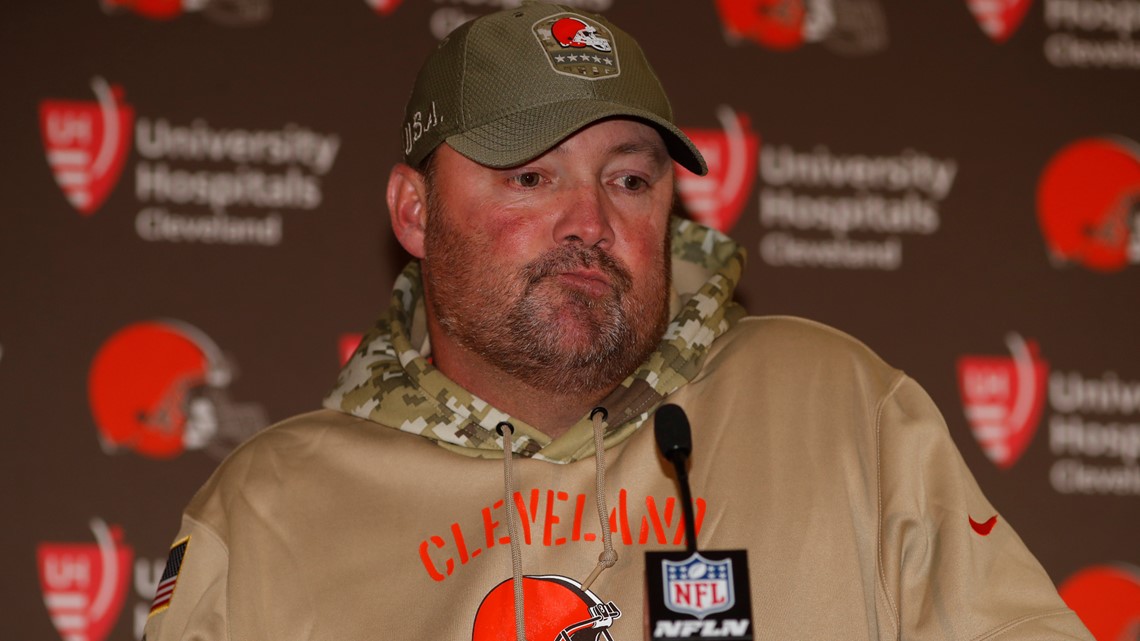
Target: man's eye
[(633, 183), (528, 179)]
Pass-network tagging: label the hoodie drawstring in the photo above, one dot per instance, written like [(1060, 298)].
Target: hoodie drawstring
[(608, 556), (506, 430), (606, 559)]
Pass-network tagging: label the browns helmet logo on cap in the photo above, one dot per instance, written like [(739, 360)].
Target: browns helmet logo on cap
[(572, 32), (577, 46)]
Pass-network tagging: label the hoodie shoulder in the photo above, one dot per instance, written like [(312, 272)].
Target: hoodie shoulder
[(283, 455), (798, 347)]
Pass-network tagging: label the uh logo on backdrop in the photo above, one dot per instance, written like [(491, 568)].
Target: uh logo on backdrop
[(1081, 33), (193, 182), (86, 584), (86, 144), (1093, 419)]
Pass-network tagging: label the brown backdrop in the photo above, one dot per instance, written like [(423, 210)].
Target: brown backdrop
[(194, 223)]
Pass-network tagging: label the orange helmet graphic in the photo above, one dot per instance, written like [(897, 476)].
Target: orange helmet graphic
[(778, 24), (557, 609), (142, 383), (1087, 199), (572, 32)]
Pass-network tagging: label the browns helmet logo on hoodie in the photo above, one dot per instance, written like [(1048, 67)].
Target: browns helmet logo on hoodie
[(556, 609)]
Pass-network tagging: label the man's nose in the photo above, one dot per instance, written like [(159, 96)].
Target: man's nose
[(585, 217)]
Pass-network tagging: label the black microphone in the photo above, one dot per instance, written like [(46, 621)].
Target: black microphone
[(675, 440)]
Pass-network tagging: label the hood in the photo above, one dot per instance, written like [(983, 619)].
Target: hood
[(389, 381)]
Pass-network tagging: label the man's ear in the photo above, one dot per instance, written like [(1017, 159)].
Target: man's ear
[(407, 207)]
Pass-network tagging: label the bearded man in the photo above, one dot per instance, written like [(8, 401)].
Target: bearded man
[(457, 484)]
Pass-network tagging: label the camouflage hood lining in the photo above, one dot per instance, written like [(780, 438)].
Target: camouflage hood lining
[(389, 382)]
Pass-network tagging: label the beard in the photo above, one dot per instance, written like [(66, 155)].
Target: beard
[(527, 323)]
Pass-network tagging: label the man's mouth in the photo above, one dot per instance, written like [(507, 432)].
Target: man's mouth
[(589, 281)]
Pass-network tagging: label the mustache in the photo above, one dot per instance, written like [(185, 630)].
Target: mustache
[(567, 258)]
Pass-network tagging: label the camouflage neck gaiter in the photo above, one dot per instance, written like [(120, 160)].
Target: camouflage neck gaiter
[(389, 382)]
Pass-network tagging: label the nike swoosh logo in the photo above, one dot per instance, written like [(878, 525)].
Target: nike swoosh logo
[(983, 528)]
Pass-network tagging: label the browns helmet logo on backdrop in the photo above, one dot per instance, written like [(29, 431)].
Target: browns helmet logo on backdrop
[(159, 388), (1088, 204), (232, 13), (444, 19), (84, 584), (717, 198), (846, 27), (86, 143), (1107, 599)]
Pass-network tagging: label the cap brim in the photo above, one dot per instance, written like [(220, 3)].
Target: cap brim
[(524, 135)]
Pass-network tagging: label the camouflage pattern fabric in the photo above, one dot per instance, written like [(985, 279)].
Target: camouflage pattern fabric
[(390, 382)]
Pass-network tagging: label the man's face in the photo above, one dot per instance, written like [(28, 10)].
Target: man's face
[(556, 271)]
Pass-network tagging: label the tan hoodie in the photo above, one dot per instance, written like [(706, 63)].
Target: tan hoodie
[(383, 516)]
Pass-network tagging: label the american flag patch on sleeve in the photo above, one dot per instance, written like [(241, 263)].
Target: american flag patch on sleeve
[(165, 591)]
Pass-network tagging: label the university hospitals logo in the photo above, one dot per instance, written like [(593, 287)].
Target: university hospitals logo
[(717, 198), (1092, 34), (847, 27), (999, 19), (1088, 204), (1107, 599), (86, 143), (84, 585), (1003, 399), (158, 388), (1092, 432), (193, 182), (698, 586)]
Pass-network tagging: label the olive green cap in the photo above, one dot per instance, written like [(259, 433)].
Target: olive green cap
[(505, 88)]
